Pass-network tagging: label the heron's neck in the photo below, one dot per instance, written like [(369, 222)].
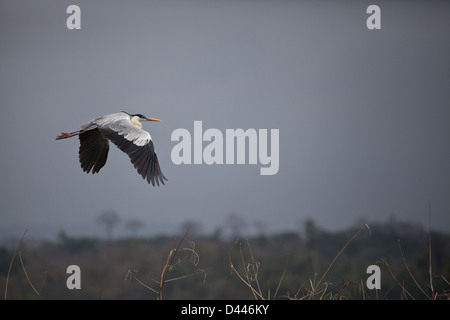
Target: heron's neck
[(136, 122)]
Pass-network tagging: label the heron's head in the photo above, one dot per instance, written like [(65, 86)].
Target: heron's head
[(141, 117), (144, 118)]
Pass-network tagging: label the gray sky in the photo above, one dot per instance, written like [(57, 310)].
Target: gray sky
[(363, 115)]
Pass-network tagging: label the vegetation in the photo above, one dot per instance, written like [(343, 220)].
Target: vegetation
[(415, 264)]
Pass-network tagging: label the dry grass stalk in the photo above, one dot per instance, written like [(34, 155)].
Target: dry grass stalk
[(38, 293), (167, 265), (11, 263), (404, 291), (250, 272), (410, 273), (429, 251), (315, 287), (433, 294)]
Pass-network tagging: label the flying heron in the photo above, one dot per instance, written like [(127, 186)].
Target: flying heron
[(125, 131)]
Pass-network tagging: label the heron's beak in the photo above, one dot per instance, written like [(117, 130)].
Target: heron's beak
[(152, 119)]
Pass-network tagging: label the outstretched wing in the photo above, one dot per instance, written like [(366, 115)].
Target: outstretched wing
[(93, 150), (138, 144)]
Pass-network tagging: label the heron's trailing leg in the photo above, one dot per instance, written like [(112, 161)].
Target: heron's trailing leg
[(65, 135)]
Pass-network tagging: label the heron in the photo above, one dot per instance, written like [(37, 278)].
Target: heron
[(125, 131)]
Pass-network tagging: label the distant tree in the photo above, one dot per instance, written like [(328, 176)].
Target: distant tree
[(312, 235), (109, 219), (311, 232), (134, 225), (261, 227), (193, 226), (236, 224)]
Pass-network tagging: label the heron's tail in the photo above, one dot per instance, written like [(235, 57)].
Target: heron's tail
[(65, 135)]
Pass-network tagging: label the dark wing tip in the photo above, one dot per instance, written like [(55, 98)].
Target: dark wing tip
[(153, 174), (143, 157)]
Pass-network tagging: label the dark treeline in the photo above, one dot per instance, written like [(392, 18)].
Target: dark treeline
[(190, 266)]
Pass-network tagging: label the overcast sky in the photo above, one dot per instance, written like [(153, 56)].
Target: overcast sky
[(363, 115)]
